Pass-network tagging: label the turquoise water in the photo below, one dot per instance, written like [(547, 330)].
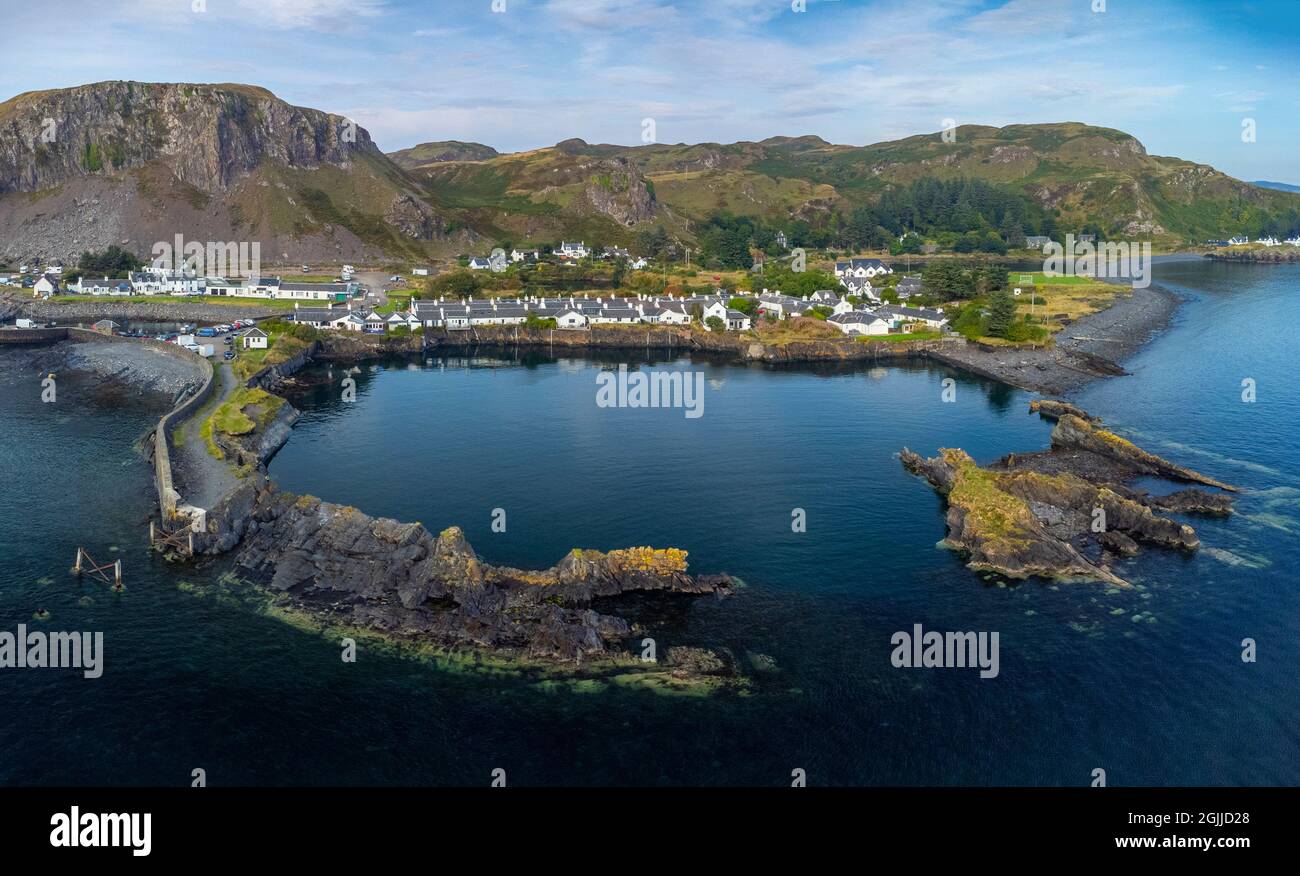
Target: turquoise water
[(197, 682)]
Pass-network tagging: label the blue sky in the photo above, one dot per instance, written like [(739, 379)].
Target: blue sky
[(1181, 76)]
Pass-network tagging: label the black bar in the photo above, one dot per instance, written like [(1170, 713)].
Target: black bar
[(329, 825)]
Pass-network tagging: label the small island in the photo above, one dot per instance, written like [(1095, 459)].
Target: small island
[(1068, 513)]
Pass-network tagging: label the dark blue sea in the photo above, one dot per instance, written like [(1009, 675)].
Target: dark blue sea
[(1147, 683)]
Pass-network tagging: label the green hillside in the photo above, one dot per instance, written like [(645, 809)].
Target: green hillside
[(1062, 177)]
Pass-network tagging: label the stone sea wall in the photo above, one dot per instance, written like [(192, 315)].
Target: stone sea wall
[(168, 499), (136, 310)]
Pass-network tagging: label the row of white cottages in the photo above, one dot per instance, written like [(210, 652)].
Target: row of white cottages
[(186, 283), (568, 313), (567, 252), (581, 313)]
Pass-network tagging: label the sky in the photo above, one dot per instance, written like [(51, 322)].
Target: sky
[(1186, 77)]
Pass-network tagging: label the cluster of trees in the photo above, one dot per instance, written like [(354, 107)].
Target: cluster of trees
[(652, 243), (963, 215), (113, 261), (949, 279), (725, 241), (728, 241), (973, 214), (1256, 224), (802, 284), (996, 317)]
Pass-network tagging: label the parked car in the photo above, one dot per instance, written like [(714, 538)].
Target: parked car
[(206, 333), (229, 354)]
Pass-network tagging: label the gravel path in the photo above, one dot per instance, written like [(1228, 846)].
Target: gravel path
[(201, 479)]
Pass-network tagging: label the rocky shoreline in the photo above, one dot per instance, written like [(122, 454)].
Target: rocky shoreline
[(1089, 349), (1270, 256), (1068, 513), (338, 568), (132, 367)]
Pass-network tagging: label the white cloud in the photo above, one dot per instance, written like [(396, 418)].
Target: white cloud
[(315, 14)]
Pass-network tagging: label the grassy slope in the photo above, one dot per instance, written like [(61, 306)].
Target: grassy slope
[(1090, 175)]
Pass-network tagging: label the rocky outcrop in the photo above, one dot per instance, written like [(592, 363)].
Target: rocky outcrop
[(400, 580), (620, 193), (1075, 433), (207, 134), (413, 218), (997, 531), (1275, 255), (135, 163), (1051, 409), (1065, 514)]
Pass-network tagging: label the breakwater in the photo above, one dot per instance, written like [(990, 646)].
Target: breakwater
[(124, 310)]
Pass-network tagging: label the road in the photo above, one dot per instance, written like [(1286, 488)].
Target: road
[(379, 285), (201, 479)]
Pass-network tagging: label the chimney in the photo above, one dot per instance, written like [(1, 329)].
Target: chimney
[(295, 305)]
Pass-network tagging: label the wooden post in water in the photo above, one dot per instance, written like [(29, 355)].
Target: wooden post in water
[(76, 567), (117, 574)]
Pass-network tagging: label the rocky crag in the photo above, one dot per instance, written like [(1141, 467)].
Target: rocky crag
[(399, 579), (135, 163), (1068, 513), (340, 568)]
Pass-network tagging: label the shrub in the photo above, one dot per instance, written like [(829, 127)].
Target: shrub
[(1023, 332)]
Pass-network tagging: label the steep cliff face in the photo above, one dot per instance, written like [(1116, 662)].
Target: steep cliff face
[(208, 135), (136, 163), (620, 193)]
